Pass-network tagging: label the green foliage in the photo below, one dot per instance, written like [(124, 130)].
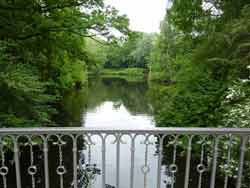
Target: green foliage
[(23, 97), (133, 52), (206, 66), (236, 105), (192, 101), (202, 16), (170, 46), (202, 64), (96, 55), (71, 74), (129, 74), (143, 47), (127, 71), (44, 52)]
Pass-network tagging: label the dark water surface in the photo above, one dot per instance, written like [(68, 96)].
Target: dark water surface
[(108, 103)]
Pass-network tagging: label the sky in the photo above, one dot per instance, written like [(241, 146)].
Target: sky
[(144, 15)]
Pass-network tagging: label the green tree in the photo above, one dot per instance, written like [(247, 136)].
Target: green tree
[(132, 52), (44, 50), (209, 53)]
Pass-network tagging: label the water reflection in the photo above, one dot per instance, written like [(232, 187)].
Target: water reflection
[(115, 103), (132, 95), (115, 115), (107, 97)]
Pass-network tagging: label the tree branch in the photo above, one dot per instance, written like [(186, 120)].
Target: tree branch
[(41, 33)]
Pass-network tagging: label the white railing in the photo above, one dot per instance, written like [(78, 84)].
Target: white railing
[(213, 157)]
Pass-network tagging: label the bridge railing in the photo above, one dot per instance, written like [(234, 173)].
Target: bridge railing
[(182, 157)]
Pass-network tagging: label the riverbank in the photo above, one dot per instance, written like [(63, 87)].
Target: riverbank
[(129, 74)]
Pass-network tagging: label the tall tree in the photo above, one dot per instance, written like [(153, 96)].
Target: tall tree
[(46, 41)]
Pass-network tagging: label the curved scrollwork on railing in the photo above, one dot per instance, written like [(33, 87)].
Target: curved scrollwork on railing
[(32, 169), (68, 156), (4, 170)]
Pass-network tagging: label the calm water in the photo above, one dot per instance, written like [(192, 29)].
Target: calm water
[(108, 103), (116, 103)]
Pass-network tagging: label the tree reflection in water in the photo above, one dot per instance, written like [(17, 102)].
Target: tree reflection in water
[(169, 179), (87, 172)]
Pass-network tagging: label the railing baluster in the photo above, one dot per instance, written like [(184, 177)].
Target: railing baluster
[(201, 166), (46, 163), (187, 171), (74, 161), (132, 161), (173, 167), (4, 169), (161, 139), (145, 168), (32, 170), (228, 161), (241, 162), (61, 168), (17, 163), (118, 137), (214, 167), (104, 161)]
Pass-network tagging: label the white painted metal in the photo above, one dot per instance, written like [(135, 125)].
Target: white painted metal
[(162, 135)]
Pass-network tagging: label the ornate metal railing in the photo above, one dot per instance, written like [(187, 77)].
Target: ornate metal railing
[(182, 157)]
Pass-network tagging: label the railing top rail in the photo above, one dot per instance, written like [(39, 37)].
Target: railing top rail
[(81, 130)]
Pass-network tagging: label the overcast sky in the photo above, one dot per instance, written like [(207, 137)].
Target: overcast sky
[(144, 15)]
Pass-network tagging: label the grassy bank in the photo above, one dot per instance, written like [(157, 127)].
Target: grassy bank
[(130, 74)]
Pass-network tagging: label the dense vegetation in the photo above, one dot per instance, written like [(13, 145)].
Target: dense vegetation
[(203, 53), (133, 52), (200, 57), (128, 57), (43, 53)]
